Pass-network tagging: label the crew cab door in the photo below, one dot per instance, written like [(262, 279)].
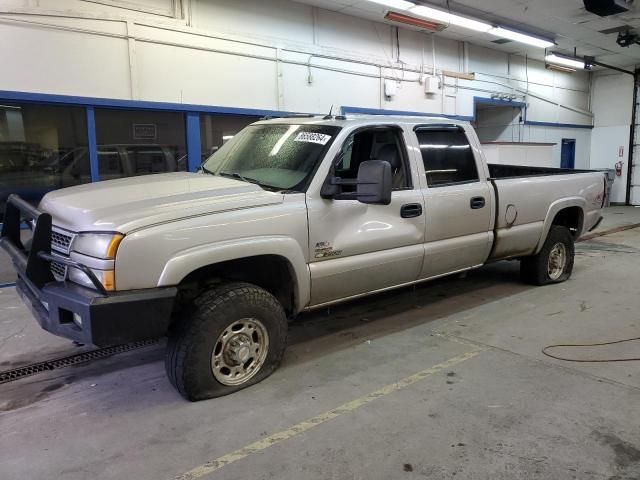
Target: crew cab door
[(355, 248), (458, 201)]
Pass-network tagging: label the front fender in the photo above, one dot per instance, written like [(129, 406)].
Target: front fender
[(554, 208), (189, 260)]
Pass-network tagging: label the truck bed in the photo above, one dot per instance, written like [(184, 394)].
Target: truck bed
[(527, 199), (512, 171)]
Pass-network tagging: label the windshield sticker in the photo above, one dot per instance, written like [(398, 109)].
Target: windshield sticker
[(312, 137)]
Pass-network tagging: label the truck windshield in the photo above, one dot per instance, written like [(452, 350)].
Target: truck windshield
[(276, 156)]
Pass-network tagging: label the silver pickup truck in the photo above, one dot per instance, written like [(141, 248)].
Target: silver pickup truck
[(291, 214)]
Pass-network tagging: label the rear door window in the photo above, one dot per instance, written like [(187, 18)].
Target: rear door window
[(447, 156)]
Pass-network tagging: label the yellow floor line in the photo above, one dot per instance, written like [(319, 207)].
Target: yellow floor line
[(217, 464)]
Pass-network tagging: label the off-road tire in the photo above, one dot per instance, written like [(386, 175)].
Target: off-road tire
[(535, 269), (188, 359)]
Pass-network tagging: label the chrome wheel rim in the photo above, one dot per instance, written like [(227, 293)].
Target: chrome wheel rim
[(240, 351), (557, 261)]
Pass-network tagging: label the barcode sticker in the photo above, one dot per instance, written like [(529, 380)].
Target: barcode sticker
[(313, 137)]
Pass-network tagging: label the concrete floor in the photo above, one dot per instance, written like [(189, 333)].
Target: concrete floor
[(485, 403)]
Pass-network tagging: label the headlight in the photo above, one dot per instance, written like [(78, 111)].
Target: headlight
[(107, 278), (99, 245)]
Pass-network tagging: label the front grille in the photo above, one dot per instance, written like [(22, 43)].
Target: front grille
[(59, 271), (61, 241)]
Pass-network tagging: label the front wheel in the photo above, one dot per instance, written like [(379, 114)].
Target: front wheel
[(554, 262), (233, 337)]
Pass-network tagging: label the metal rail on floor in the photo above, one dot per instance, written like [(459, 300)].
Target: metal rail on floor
[(36, 368)]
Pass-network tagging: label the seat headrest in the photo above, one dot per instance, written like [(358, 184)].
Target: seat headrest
[(389, 153)]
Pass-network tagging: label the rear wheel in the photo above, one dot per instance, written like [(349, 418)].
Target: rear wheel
[(233, 337), (554, 262)]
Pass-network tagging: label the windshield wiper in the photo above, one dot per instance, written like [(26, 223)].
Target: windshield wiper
[(239, 177)]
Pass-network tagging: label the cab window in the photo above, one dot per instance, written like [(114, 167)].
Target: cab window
[(447, 156), (374, 144)]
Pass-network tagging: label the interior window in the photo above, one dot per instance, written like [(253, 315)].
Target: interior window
[(109, 162), (145, 160), (447, 156), (373, 144)]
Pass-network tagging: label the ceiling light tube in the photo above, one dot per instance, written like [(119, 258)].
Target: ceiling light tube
[(447, 18), (521, 37), (565, 61), (399, 4), (450, 18)]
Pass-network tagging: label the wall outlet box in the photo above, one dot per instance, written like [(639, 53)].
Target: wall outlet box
[(390, 88), (431, 84)]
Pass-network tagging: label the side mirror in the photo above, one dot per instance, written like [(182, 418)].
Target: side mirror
[(373, 185), (374, 182)]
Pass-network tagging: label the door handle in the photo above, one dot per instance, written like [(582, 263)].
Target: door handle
[(476, 203), (411, 210)]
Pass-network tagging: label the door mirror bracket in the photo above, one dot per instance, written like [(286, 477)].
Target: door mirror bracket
[(373, 185)]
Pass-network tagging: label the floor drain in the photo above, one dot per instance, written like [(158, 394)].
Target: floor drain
[(35, 368)]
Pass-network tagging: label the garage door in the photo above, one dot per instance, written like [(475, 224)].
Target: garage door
[(635, 158)]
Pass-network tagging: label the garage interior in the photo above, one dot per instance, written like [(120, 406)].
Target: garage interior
[(452, 378)]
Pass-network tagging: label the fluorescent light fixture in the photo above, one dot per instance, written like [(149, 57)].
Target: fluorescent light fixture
[(521, 37), (559, 68), (447, 18), (415, 21), (227, 137), (565, 61), (399, 4), (450, 18)]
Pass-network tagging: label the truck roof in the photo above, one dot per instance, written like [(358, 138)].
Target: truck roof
[(360, 120)]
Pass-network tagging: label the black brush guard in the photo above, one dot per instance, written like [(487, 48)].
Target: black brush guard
[(35, 264), (107, 318)]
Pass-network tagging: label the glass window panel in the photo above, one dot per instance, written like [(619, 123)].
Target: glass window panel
[(139, 142), (279, 157), (42, 148), (447, 156), (373, 144), (216, 130)]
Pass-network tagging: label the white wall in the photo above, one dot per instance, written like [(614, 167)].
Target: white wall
[(502, 124), (612, 105), (268, 54), (499, 124), (539, 154)]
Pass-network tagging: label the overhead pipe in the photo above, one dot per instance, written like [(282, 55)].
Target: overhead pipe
[(380, 66)]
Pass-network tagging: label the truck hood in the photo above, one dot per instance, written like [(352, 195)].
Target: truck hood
[(131, 203)]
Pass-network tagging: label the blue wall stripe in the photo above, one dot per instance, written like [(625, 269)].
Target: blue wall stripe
[(379, 111), (193, 141), (7, 285), (496, 101), (183, 107), (93, 148), (132, 104)]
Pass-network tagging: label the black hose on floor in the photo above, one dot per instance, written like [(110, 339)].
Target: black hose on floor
[(587, 360)]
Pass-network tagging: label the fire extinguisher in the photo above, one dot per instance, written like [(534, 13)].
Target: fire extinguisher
[(619, 168)]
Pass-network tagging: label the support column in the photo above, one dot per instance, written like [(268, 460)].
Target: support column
[(194, 150), (93, 147)]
